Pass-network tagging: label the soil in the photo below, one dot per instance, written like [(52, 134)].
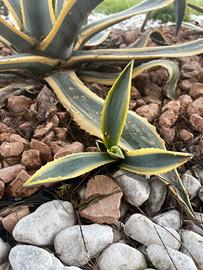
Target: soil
[(54, 127)]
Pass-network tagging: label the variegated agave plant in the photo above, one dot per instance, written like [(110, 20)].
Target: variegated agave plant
[(147, 161), (49, 40)]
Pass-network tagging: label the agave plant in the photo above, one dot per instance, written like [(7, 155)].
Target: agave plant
[(146, 161), (49, 39)]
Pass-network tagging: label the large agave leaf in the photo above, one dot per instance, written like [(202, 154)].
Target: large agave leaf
[(180, 7), (59, 41), (115, 108), (38, 16), (197, 8), (34, 63), (150, 161), (13, 7), (109, 78), (95, 27), (68, 167), (86, 108), (180, 50), (192, 26), (20, 41)]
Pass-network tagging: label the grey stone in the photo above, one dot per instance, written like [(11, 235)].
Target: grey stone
[(165, 258), (201, 193), (41, 227), (4, 250), (169, 219), (120, 256), (156, 197), (193, 246), (197, 226), (146, 232), (27, 257), (191, 184), (77, 245), (135, 188)]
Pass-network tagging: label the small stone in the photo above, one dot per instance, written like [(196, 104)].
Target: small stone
[(31, 158), (150, 111), (9, 174), (134, 92), (196, 90), (49, 137), (18, 104), (168, 118), (146, 232), (15, 188), (12, 149), (196, 107), (77, 245), (4, 128), (156, 197), (185, 135), (191, 184), (197, 224), (42, 130), (165, 258), (197, 122), (54, 120), (4, 250), (201, 194), (169, 219), (27, 257), (61, 133), (2, 187), (193, 246), (120, 256), (57, 145), (72, 148), (44, 149), (172, 106), (92, 149), (12, 219), (49, 219), (104, 210), (135, 188), (185, 100), (62, 116), (185, 85), (168, 133), (18, 138), (5, 137)]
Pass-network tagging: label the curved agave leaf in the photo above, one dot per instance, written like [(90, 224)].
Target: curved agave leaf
[(33, 63), (58, 6), (115, 108), (180, 50), (59, 42), (142, 41), (98, 39), (13, 7), (95, 27), (150, 161), (86, 108), (38, 16), (197, 8), (180, 7), (158, 38), (20, 41), (192, 26), (109, 78), (68, 167)]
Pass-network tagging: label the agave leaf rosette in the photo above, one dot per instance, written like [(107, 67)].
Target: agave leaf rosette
[(114, 114), (51, 37)]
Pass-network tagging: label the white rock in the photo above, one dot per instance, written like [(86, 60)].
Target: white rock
[(4, 250), (27, 257), (165, 258), (71, 268), (70, 247), (197, 226), (135, 188), (169, 219), (156, 197), (146, 232), (193, 246), (120, 256), (191, 184), (40, 227)]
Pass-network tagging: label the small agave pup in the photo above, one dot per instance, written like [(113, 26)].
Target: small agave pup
[(148, 161)]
